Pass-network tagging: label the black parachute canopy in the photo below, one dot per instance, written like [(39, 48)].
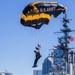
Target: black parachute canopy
[(38, 13)]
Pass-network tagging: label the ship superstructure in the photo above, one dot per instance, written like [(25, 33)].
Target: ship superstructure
[(62, 54)]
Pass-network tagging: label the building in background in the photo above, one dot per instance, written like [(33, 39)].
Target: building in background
[(58, 56), (74, 58), (5, 73), (47, 65), (74, 64), (37, 72)]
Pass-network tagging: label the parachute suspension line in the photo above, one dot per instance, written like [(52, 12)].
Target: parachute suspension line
[(33, 35), (37, 36), (65, 15)]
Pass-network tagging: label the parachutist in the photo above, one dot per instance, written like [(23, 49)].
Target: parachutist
[(38, 56)]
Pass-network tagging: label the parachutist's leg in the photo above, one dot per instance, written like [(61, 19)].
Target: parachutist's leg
[(35, 62)]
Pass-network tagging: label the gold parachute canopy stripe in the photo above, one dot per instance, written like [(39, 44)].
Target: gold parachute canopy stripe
[(39, 13)]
